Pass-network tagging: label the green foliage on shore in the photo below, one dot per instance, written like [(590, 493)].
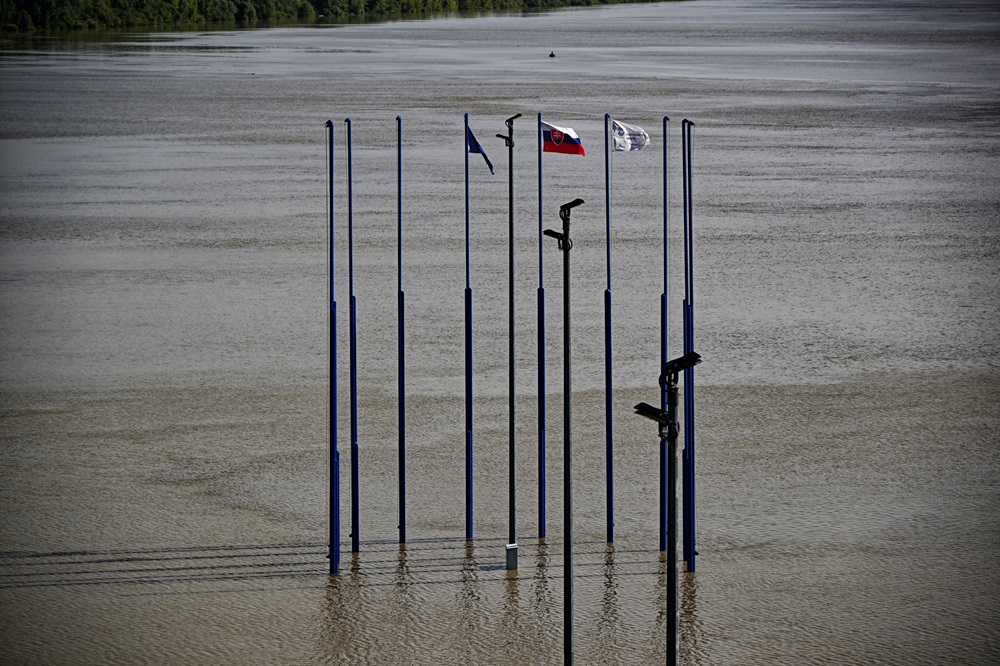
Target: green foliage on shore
[(30, 15)]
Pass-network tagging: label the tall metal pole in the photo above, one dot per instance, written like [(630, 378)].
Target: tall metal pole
[(672, 587), (663, 337), (334, 451), (469, 478), (402, 332), (690, 549), (355, 490), (565, 245), (667, 428), (541, 352), (567, 454), (609, 439), (512, 456)]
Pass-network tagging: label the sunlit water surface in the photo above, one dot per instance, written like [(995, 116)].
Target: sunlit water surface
[(163, 338)]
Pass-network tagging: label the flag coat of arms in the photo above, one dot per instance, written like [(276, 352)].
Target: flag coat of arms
[(628, 137), (561, 140)]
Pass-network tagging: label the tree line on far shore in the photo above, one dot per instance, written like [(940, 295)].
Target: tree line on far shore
[(30, 15)]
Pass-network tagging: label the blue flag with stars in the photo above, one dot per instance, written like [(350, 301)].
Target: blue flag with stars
[(474, 147)]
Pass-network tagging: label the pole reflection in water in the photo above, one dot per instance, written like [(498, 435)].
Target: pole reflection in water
[(544, 622), (469, 597), (691, 644), (608, 624), (542, 602), (511, 626), (402, 595), (344, 633), (658, 639), (443, 601)]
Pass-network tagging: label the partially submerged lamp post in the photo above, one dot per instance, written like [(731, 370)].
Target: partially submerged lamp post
[(565, 245), (512, 483), (667, 425)]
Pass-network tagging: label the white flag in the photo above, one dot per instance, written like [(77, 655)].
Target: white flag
[(628, 137)]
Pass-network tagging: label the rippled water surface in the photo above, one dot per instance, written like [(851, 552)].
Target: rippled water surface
[(163, 338)]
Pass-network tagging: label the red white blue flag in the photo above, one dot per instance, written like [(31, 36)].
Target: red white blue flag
[(561, 140)]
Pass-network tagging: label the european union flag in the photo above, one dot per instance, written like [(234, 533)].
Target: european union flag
[(474, 147)]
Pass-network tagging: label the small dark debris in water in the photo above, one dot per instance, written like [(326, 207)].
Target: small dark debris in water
[(552, 54)]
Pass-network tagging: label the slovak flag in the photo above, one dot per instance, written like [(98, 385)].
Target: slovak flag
[(561, 140)]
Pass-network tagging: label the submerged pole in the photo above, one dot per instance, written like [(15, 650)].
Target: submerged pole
[(541, 352), (609, 443), (690, 549), (565, 245), (355, 490), (667, 428), (663, 337), (672, 591), (511, 550), (469, 478), (402, 331), (567, 452), (332, 408)]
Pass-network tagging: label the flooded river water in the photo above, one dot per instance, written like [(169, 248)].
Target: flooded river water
[(163, 337)]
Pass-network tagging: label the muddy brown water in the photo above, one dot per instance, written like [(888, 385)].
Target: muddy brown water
[(163, 338)]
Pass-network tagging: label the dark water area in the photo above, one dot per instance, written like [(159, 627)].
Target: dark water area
[(163, 337)]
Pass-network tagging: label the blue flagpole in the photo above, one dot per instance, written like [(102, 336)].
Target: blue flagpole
[(334, 450), (541, 350), (469, 479), (355, 490), (608, 383), (663, 339), (690, 551), (402, 332)]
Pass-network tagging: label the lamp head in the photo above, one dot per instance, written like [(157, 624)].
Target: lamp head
[(652, 413), (674, 367), (680, 363), (565, 209)]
